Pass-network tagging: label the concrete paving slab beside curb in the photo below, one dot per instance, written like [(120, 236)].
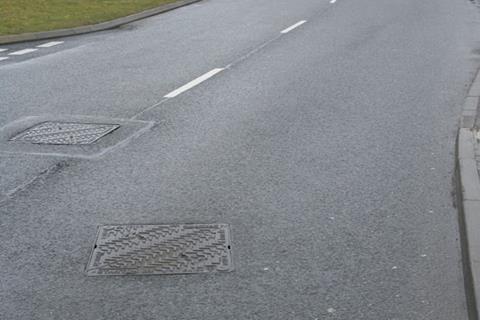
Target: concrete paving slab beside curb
[(471, 104), (475, 88), (33, 36), (466, 145), (469, 181), (471, 219)]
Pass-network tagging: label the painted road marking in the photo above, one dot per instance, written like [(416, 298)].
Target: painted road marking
[(333, 1), (50, 44), (296, 25), (24, 51), (194, 83), (3, 58), (2, 50)]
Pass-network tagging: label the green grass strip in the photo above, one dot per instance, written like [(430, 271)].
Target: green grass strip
[(20, 16)]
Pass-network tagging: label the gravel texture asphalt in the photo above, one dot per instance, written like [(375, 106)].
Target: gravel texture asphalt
[(329, 150)]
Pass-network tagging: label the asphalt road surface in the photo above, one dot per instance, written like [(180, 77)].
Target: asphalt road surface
[(328, 148)]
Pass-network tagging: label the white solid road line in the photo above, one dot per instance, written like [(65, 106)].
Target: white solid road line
[(2, 50), (24, 51), (194, 83), (296, 25), (50, 44), (3, 58)]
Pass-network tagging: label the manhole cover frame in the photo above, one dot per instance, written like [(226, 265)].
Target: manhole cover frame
[(94, 266), (24, 135)]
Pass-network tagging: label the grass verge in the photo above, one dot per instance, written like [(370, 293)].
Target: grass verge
[(20, 16)]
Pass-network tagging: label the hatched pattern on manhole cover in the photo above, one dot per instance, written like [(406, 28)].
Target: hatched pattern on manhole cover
[(161, 249), (65, 133)]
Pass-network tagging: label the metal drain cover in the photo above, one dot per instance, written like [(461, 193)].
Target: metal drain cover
[(65, 133), (160, 249)]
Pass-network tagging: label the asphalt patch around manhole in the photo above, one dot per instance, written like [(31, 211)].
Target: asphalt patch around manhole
[(161, 250), (70, 136)]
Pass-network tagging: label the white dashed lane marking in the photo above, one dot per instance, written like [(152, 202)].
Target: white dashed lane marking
[(21, 52), (296, 25), (50, 44), (194, 83)]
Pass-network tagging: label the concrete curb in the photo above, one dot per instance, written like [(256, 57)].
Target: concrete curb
[(94, 27), (469, 190)]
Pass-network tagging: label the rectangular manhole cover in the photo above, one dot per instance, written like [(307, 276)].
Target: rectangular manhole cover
[(161, 249), (65, 133)]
